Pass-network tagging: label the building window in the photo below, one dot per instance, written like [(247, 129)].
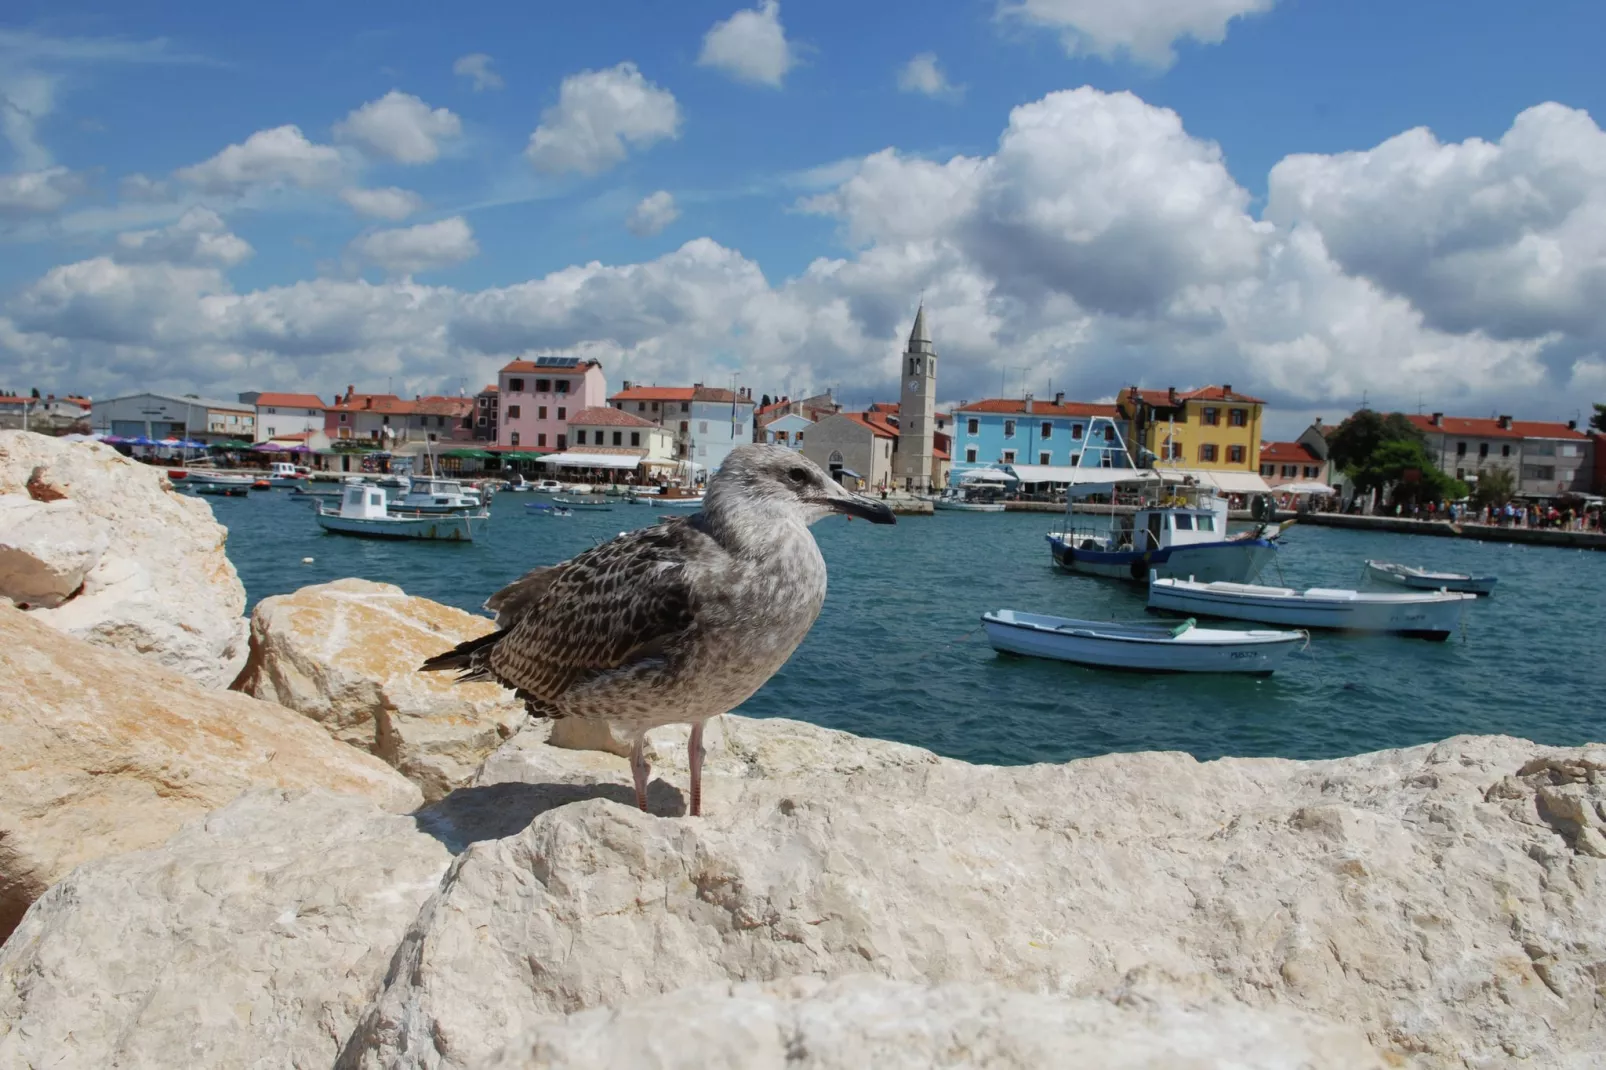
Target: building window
[(1009, 428), (515, 438), (702, 427), (1460, 449), (1009, 457), (618, 438), (580, 437), (271, 432), (971, 426), (561, 386), (1461, 473), (512, 412), (798, 438), (374, 434), (516, 385), (384, 420), (482, 421), (563, 412), (342, 417), (1238, 417), (1235, 454), (1207, 452), (540, 440), (1268, 469), (685, 407), (655, 406), (1043, 458), (1047, 429), (1210, 417), (543, 386), (1171, 451), (1289, 470), (1547, 449), (1539, 471), (563, 442), (1310, 471), (635, 438), (970, 454), (1076, 431), (1483, 449), (1505, 450), (540, 412), (684, 427), (641, 406), (273, 411)]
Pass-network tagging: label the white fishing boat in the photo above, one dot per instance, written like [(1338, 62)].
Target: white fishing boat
[(284, 474), (431, 494), (1143, 646), (1422, 579), (694, 501), (225, 479), (979, 491), (547, 486), (594, 506), (363, 511), (1422, 615)]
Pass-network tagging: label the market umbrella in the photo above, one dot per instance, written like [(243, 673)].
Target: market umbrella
[(191, 444), (267, 447), (140, 441)]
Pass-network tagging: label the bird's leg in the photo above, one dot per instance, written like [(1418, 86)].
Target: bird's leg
[(696, 760), (640, 770)]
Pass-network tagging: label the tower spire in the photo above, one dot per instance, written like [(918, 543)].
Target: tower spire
[(919, 334)]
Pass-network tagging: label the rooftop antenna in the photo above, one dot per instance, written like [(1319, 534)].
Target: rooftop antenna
[(1419, 403)]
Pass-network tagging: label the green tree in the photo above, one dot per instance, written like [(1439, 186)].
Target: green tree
[(1404, 465), (1598, 421), (1496, 486), (1360, 436)]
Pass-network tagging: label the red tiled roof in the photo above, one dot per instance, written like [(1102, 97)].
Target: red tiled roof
[(295, 436), (941, 454), (602, 415), (655, 393), (386, 403), (1017, 407), (1287, 453), (883, 406), (1161, 399), (718, 393), (550, 369), (1475, 427), (298, 401), (438, 405), (875, 422)]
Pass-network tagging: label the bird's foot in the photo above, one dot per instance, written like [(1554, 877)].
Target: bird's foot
[(640, 770), (695, 760)]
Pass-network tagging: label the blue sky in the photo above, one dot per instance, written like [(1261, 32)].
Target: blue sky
[(764, 165)]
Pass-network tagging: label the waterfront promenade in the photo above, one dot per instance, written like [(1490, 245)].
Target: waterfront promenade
[(1578, 540)]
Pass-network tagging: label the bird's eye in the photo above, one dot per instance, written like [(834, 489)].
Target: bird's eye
[(798, 476)]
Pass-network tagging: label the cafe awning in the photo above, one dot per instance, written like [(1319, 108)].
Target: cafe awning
[(482, 455), (1226, 481), (577, 459)]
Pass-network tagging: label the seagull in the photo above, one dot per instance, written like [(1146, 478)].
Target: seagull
[(675, 623)]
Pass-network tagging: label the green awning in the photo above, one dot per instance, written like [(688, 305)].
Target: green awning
[(231, 444), (519, 456), (467, 455)]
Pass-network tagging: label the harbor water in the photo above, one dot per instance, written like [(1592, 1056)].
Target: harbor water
[(898, 652)]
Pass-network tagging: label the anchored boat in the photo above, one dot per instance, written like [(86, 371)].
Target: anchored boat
[(1422, 579), (1422, 615), (588, 506), (1143, 646), (284, 474), (363, 512), (431, 494)]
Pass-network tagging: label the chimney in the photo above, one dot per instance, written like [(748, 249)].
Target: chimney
[(1059, 398), (1226, 389), (1028, 404), (1171, 395), (1505, 423), (627, 384), (1572, 425), (368, 402), (1437, 419)]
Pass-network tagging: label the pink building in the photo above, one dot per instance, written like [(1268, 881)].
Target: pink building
[(535, 398)]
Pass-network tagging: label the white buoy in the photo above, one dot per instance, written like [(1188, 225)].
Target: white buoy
[(306, 560)]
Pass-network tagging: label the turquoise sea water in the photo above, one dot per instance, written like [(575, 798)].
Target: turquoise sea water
[(897, 652)]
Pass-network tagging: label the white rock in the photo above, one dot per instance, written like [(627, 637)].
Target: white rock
[(163, 587), (253, 938), (103, 752), (346, 654), (46, 549), (857, 1022), (1419, 894)]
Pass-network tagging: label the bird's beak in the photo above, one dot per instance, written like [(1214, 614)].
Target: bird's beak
[(842, 500)]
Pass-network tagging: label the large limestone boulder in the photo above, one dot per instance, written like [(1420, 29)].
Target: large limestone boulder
[(1443, 899), (160, 586), (253, 938), (346, 654), (47, 549), (103, 752), (807, 1023)]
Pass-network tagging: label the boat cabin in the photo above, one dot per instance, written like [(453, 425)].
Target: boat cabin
[(1162, 526), (363, 502), (285, 470)]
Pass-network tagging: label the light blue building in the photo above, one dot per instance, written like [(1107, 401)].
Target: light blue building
[(787, 430), (1027, 432)]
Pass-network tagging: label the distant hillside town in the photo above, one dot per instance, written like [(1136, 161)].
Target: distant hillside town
[(553, 415)]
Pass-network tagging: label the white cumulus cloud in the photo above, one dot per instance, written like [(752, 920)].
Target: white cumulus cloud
[(26, 193), (750, 46), (652, 214), (199, 237), (398, 126), (276, 157), (924, 75), (388, 202), (406, 251), (599, 117), (479, 69), (1145, 30)]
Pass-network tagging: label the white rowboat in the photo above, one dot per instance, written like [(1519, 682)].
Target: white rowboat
[(1422, 615), (1422, 579), (1143, 646)]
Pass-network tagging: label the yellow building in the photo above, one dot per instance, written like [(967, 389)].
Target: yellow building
[(1211, 427)]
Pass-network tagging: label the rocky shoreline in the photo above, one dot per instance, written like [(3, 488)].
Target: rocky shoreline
[(344, 863)]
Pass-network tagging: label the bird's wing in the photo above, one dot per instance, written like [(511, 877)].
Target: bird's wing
[(510, 603), (615, 604)]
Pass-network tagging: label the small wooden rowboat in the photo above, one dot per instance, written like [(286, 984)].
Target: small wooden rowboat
[(1422, 579), (1419, 614), (1142, 646)]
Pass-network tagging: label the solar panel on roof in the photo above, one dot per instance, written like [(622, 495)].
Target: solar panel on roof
[(556, 362)]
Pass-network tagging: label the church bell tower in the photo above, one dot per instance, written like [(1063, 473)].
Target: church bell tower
[(917, 399)]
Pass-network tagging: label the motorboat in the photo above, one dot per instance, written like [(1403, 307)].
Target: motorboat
[(694, 501), (1142, 646), (548, 509), (1422, 579), (547, 486), (363, 511), (1421, 615), (979, 491), (517, 484), (431, 494), (588, 506), (284, 474), (205, 485), (229, 479), (1175, 530)]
